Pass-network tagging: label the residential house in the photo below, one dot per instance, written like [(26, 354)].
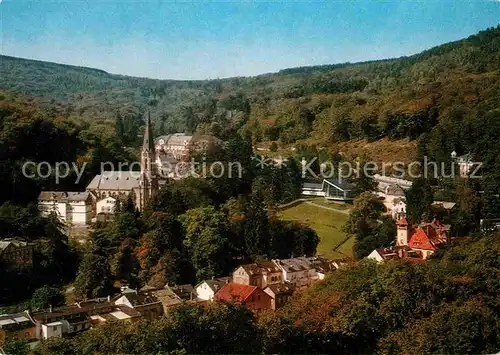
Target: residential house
[(17, 326), (382, 255), (106, 205), (258, 274), (297, 271), (465, 163), (146, 303), (166, 296), (61, 321), (323, 265), (392, 192), (280, 294), (425, 238), (252, 297), (207, 289), (52, 330), (428, 237), (17, 252), (389, 185), (71, 207), (185, 292), (69, 320), (414, 242), (120, 313), (102, 310)]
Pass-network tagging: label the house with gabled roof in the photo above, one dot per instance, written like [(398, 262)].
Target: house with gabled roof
[(17, 326), (428, 237), (425, 238), (252, 297), (280, 294), (260, 274), (385, 254), (16, 251), (207, 289), (465, 163), (297, 271), (61, 321), (71, 207), (146, 303), (302, 271)]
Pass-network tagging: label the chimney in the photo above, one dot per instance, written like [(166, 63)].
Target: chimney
[(50, 308)]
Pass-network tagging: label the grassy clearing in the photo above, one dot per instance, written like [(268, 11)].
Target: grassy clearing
[(327, 224)]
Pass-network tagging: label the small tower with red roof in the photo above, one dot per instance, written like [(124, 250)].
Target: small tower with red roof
[(403, 232)]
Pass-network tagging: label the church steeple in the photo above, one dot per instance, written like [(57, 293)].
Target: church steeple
[(147, 144), (149, 179)]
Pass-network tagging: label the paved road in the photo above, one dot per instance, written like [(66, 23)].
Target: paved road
[(346, 212)]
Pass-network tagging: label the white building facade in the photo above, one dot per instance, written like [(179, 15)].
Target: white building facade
[(106, 205), (71, 207)]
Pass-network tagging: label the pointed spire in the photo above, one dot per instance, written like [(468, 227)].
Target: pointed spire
[(148, 136)]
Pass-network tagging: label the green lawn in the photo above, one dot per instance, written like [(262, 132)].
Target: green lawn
[(327, 224)]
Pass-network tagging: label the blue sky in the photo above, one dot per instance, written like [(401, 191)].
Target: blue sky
[(208, 39)]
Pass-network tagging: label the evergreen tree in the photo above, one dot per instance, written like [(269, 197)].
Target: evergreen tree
[(419, 200)]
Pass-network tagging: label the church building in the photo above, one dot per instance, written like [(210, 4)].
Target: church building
[(78, 208), (141, 185)]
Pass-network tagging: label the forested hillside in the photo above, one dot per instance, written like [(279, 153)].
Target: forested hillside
[(394, 99)]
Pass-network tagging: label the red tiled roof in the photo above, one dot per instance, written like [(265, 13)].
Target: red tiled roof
[(403, 222), (235, 292), (422, 240)]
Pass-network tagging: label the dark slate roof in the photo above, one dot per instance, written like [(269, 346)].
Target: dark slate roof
[(18, 243), (340, 184), (140, 299), (63, 196), (260, 268), (217, 284), (280, 289), (465, 158), (395, 190), (115, 180), (312, 185), (185, 292)]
